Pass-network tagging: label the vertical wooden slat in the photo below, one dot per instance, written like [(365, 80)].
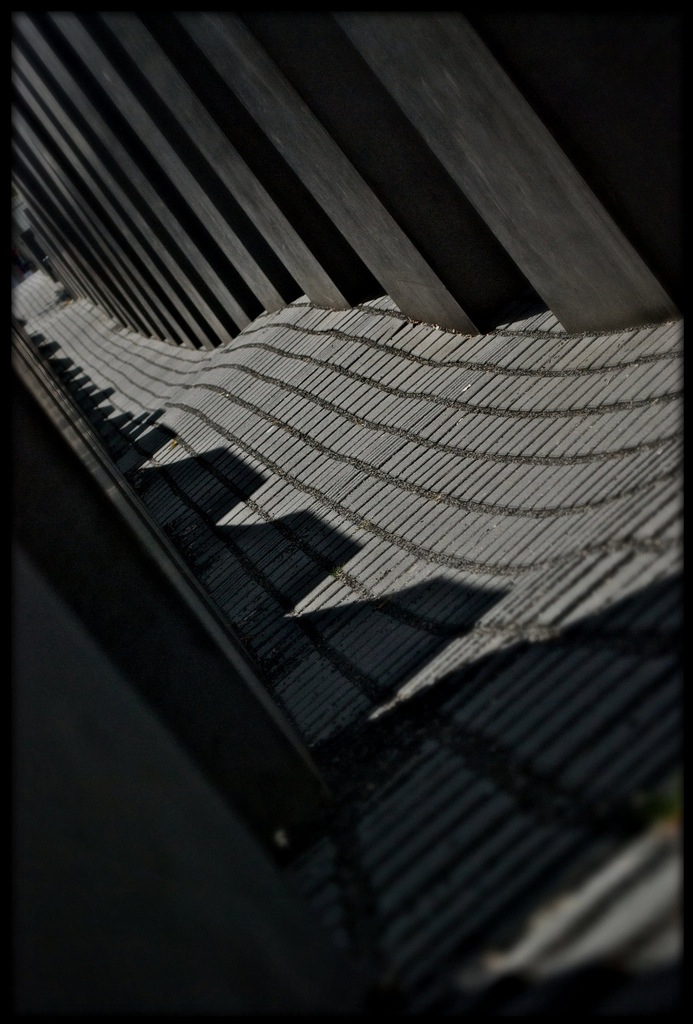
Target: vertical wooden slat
[(179, 178), (227, 163), (181, 263), (505, 161), (324, 169)]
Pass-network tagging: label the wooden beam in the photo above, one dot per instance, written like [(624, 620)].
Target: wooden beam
[(509, 166), (322, 166)]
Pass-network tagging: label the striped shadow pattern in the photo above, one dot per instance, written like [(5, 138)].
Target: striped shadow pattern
[(456, 561)]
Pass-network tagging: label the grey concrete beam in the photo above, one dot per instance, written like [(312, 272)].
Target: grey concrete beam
[(52, 265), (77, 227), (334, 182), (63, 229), (156, 259), (291, 195), (609, 87), (55, 250), (91, 195), (125, 181), (141, 62), (104, 247), (225, 159), (369, 127), (59, 265), (175, 169), (44, 215), (68, 263), (62, 265), (509, 166)]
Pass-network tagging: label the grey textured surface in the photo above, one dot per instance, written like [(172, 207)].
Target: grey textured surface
[(456, 560), (321, 165), (510, 168), (137, 889), (175, 253)]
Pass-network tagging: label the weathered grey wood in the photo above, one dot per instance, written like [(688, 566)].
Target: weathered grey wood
[(58, 259), (504, 159), (92, 243), (99, 288), (60, 265), (81, 155), (322, 166), (100, 204), (151, 216), (105, 248), (53, 262), (136, 55), (227, 162), (289, 192), (173, 167), (608, 86), (150, 201), (65, 243), (369, 127)]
